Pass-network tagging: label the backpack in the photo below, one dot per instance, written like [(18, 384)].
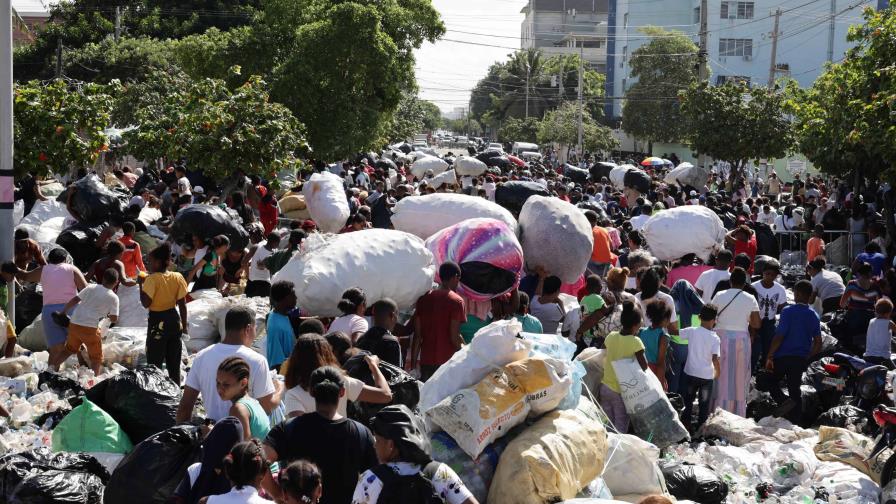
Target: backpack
[(414, 489)]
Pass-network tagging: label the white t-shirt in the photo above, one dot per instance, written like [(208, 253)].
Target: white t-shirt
[(708, 280), (736, 316), (204, 373), (549, 314), (184, 186), (245, 495), (702, 345), (769, 299), (96, 302), (767, 218), (466, 181), (349, 324), (149, 215), (299, 399), (445, 482), (662, 296), (261, 253)]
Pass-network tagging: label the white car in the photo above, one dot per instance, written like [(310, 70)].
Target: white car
[(495, 146)]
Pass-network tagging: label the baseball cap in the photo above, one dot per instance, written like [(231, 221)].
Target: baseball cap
[(309, 225)]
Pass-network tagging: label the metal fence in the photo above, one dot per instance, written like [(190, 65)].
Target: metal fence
[(841, 246)]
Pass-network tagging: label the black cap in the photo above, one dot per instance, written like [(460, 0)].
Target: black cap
[(406, 430)]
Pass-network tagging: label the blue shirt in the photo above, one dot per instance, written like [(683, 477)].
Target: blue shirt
[(651, 338), (798, 326), (876, 260), (530, 324), (280, 339)]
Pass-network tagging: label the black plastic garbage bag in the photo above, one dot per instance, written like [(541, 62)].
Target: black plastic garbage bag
[(761, 407), (694, 482), (143, 401), (150, 473), (43, 477), (484, 156), (384, 164), (766, 241), (29, 304), (829, 346), (849, 417), (206, 222), (513, 195), (578, 175), (91, 201), (405, 388), (812, 406), (149, 178), (638, 180), (594, 207), (601, 170), (64, 387), (836, 322), (80, 242), (499, 162)]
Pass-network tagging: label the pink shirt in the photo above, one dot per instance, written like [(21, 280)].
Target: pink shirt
[(58, 282), (690, 273)]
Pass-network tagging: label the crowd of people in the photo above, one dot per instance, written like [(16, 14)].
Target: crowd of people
[(702, 328)]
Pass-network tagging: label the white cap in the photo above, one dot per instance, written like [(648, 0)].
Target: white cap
[(199, 190)]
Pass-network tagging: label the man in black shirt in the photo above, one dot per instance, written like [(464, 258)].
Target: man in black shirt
[(379, 340), (341, 448)]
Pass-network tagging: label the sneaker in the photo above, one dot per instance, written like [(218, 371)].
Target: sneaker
[(784, 408)]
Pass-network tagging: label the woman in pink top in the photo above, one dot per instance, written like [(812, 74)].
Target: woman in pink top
[(60, 282), (685, 269)]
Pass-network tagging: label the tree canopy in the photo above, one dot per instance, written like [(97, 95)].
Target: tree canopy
[(664, 67), (562, 126)]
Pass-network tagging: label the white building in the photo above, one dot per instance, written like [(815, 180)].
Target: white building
[(739, 44), (567, 27)]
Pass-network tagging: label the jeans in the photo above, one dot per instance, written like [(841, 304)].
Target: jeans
[(675, 376), (791, 369), (163, 343), (765, 335), (700, 389), (614, 407)]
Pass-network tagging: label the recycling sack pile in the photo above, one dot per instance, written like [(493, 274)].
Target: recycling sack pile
[(325, 199), (706, 233), (555, 236), (424, 216)]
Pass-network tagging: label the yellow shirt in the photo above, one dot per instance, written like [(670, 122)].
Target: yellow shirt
[(619, 347), (165, 290)]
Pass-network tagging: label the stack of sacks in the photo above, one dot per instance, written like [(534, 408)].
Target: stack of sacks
[(325, 197), (488, 253), (687, 174), (705, 233), (477, 416), (555, 236), (469, 166), (558, 347), (446, 178), (206, 222), (292, 206), (382, 262), (651, 413), (553, 459), (424, 216)]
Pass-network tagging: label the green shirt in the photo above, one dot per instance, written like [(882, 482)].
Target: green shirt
[(591, 303), (4, 297), (277, 260), (259, 424), (468, 329)]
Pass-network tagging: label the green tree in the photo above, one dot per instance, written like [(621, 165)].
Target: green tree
[(519, 130), (664, 67), (343, 67), (561, 126), (432, 115), (58, 126), (736, 123), (219, 129)]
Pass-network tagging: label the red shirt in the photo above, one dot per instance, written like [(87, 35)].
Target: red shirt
[(267, 214), (435, 310), (746, 247)]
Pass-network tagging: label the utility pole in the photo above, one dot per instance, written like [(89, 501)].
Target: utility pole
[(703, 69), (831, 31), (117, 23), (7, 186), (580, 150), (772, 67), (58, 59), (527, 88)]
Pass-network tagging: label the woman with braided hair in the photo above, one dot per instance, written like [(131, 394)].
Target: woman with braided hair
[(233, 385), (245, 467)]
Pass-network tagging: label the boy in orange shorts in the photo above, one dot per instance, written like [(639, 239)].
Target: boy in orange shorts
[(94, 303)]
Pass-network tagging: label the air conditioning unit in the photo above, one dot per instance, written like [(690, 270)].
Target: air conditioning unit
[(748, 58)]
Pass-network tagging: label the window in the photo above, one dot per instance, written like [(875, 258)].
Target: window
[(734, 79), (735, 47), (591, 44), (697, 15), (625, 20), (737, 10)]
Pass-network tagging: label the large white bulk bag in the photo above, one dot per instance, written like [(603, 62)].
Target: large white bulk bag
[(687, 174), (426, 163), (424, 216), (444, 178), (556, 236), (382, 262), (617, 175), (471, 166), (325, 197), (682, 230)]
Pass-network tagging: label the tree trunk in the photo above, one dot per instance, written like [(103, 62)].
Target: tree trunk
[(889, 208), (650, 147)]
